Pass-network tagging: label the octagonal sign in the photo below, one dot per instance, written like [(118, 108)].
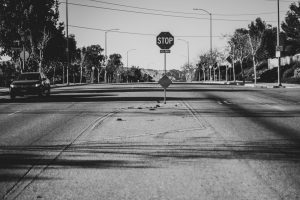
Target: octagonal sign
[(165, 40)]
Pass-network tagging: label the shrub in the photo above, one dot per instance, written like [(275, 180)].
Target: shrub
[(291, 80), (288, 73), (269, 76)]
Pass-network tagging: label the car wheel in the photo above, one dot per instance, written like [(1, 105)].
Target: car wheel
[(48, 92), (12, 96)]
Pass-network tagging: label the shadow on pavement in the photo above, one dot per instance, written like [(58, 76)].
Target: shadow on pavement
[(86, 154), (263, 117), (98, 95)]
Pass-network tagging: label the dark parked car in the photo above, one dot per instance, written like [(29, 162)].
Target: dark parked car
[(31, 83)]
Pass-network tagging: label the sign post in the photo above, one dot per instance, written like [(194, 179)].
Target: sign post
[(165, 41)]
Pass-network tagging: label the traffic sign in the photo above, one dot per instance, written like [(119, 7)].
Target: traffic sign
[(279, 48), (165, 82), (24, 55), (278, 54), (165, 51), (165, 40)]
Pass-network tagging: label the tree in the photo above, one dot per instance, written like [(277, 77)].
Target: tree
[(135, 74), (256, 33), (26, 23), (206, 58), (268, 44), (113, 64), (55, 52), (82, 60), (176, 74), (240, 47), (291, 27), (92, 58), (203, 63), (188, 71)]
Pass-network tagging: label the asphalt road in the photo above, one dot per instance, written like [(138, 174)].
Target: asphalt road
[(122, 142)]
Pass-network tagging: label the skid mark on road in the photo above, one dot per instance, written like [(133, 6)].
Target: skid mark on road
[(243, 158), (224, 102), (14, 113), (35, 171)]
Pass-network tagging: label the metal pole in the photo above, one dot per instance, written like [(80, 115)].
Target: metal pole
[(67, 31), (105, 44), (40, 64), (278, 42), (165, 69), (127, 59), (128, 56), (23, 57), (210, 17), (219, 73), (233, 69), (188, 50), (105, 60), (226, 73), (188, 53), (115, 29)]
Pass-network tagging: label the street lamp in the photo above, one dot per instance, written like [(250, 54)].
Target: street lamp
[(93, 71), (22, 34), (127, 61), (67, 33), (278, 48), (109, 30), (188, 50), (127, 55), (210, 34)]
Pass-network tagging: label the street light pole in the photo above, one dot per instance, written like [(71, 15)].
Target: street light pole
[(210, 32), (278, 43), (115, 29), (188, 49), (127, 61), (67, 32), (127, 55)]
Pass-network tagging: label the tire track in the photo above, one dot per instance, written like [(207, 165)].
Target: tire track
[(22, 183), (229, 146)]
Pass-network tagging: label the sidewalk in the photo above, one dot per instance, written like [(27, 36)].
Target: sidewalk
[(248, 84), (272, 85)]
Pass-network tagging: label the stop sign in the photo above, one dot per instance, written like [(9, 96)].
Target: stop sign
[(165, 40)]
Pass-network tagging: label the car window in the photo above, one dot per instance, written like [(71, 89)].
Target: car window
[(29, 77)]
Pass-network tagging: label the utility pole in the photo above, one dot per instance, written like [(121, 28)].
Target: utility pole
[(278, 48), (105, 61), (210, 32), (67, 50), (188, 50)]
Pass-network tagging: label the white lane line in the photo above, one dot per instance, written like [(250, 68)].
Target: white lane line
[(14, 113)]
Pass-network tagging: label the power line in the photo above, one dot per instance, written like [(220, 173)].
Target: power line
[(159, 14), (141, 34), (178, 12), (142, 8), (137, 12), (116, 31)]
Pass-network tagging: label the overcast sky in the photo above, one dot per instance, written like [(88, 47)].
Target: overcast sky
[(139, 27)]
